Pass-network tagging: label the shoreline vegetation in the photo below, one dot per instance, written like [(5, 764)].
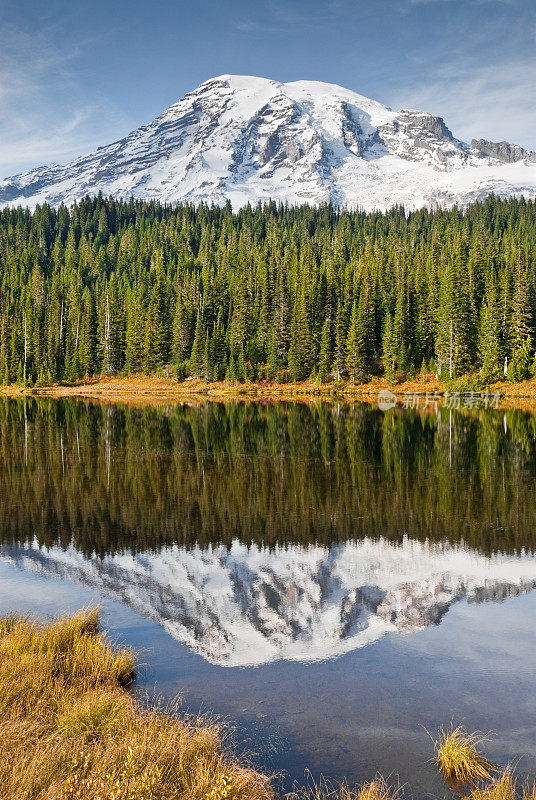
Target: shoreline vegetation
[(71, 730), (420, 393)]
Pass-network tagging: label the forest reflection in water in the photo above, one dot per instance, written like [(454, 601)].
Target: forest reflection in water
[(106, 478)]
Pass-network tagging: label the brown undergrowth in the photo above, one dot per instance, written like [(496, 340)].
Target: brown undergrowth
[(142, 390)]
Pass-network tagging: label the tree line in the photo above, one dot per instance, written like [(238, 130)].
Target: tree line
[(269, 292)]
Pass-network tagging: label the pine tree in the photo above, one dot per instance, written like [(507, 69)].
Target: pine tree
[(198, 348), (453, 344), (520, 318), (341, 330), (279, 341), (389, 354), (489, 336), (300, 351), (134, 354), (325, 358), (238, 330), (520, 367), (356, 349), (219, 353), (208, 360), (151, 350), (88, 334), (182, 332), (112, 330)]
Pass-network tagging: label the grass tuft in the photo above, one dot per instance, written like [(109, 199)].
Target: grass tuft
[(458, 756), (377, 789), (502, 788)]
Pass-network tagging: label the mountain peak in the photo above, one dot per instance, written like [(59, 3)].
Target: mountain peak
[(243, 138)]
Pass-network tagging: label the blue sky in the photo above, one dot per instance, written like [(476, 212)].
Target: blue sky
[(76, 75)]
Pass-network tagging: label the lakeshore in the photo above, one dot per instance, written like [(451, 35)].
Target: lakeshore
[(72, 730), (141, 389)]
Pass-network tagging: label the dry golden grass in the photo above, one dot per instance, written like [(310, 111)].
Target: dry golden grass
[(458, 757), (504, 787), (378, 789), (69, 730), (150, 390), (140, 390)]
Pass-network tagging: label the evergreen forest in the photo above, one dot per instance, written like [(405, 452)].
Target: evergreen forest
[(111, 287)]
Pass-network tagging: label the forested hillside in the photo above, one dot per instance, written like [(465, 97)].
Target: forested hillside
[(269, 292)]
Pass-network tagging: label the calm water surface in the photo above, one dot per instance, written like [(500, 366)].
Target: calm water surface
[(334, 580)]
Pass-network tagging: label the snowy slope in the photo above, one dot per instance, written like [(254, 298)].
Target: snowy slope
[(247, 139), (244, 606)]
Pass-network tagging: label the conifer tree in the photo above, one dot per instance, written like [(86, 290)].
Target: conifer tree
[(279, 341), (88, 334), (198, 348), (489, 336), (300, 351), (389, 354), (520, 318), (134, 354), (238, 331), (453, 332), (356, 347), (182, 332), (112, 329), (325, 358)]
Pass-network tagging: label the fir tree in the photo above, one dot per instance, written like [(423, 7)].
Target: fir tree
[(88, 334), (198, 348), (356, 349), (489, 335), (325, 358), (300, 351)]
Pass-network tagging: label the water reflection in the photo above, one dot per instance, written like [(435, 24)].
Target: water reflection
[(281, 534), (106, 479), (243, 606)]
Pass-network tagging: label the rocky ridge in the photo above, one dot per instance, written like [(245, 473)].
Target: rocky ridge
[(247, 139)]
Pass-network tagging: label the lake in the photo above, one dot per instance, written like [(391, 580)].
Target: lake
[(336, 581)]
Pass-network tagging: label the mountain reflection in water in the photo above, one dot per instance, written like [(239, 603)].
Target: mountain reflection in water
[(248, 606), (281, 536)]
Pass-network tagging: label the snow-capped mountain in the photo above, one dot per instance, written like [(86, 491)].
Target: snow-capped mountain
[(247, 139), (249, 606)]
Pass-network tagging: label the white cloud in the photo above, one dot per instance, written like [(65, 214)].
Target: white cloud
[(45, 115), (492, 102)]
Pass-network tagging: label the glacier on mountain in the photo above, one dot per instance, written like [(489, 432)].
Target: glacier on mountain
[(243, 606), (247, 139)]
